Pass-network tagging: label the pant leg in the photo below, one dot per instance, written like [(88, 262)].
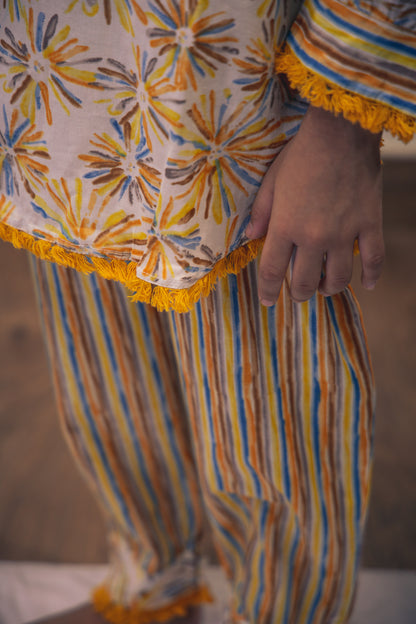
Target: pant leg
[(123, 415), (281, 405)]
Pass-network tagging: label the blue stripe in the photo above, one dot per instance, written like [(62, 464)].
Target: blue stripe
[(260, 570), (356, 423), (207, 394), (291, 568), (315, 400), (121, 394), (272, 324), (238, 377), (142, 310), (84, 400), (362, 34), (230, 538), (357, 87)]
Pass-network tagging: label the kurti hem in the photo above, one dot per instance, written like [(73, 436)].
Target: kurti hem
[(161, 297)]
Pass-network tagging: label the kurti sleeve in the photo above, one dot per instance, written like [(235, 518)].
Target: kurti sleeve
[(357, 59)]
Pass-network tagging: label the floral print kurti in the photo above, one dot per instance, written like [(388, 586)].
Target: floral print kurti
[(134, 134)]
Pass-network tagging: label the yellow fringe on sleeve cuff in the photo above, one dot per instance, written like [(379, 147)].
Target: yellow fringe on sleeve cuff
[(320, 92), (136, 614), (163, 298)]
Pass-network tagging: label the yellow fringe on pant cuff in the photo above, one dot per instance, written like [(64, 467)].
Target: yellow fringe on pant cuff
[(136, 614), (320, 92), (180, 300)]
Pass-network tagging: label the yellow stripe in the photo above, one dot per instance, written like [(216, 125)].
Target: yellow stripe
[(317, 534), (276, 441), (356, 43), (84, 426), (320, 92), (290, 529), (118, 412)]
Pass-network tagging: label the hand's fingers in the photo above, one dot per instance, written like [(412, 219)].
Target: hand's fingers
[(274, 262), (372, 258), (262, 206), (306, 274), (338, 270)]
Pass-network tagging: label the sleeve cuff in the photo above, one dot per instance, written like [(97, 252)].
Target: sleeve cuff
[(322, 93)]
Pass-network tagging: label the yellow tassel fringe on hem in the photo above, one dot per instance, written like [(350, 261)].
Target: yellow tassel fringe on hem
[(163, 298), (320, 92), (136, 614)]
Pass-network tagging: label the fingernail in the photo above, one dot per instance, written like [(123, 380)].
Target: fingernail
[(267, 303), (369, 285), (249, 230)]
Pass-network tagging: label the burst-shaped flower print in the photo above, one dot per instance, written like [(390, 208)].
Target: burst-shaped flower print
[(76, 217), (192, 41), (225, 153), (22, 151), (42, 67), (120, 167), (137, 97)]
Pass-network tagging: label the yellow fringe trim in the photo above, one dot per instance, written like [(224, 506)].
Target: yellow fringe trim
[(180, 300), (320, 92), (135, 614)]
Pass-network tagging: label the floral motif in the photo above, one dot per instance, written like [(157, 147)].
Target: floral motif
[(41, 67), (122, 167), (138, 96), (170, 236), (258, 67), (74, 220), (225, 154), (21, 148), (192, 42), (140, 129)]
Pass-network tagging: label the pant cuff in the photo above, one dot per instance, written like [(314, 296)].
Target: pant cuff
[(138, 613), (133, 595)]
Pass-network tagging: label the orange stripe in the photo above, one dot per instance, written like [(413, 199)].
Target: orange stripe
[(368, 23), (150, 461), (105, 438), (329, 61), (283, 301)]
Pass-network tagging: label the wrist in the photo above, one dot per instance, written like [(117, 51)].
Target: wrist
[(340, 131)]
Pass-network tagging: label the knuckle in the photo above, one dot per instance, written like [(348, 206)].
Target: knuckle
[(315, 237), (338, 283), (376, 259)]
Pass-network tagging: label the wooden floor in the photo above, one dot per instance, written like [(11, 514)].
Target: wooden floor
[(46, 511)]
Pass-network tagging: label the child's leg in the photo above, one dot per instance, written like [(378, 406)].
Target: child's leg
[(281, 405), (123, 415)]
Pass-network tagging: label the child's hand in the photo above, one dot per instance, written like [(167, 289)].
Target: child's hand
[(321, 193)]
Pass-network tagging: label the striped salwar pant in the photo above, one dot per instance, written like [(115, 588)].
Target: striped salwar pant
[(255, 422)]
